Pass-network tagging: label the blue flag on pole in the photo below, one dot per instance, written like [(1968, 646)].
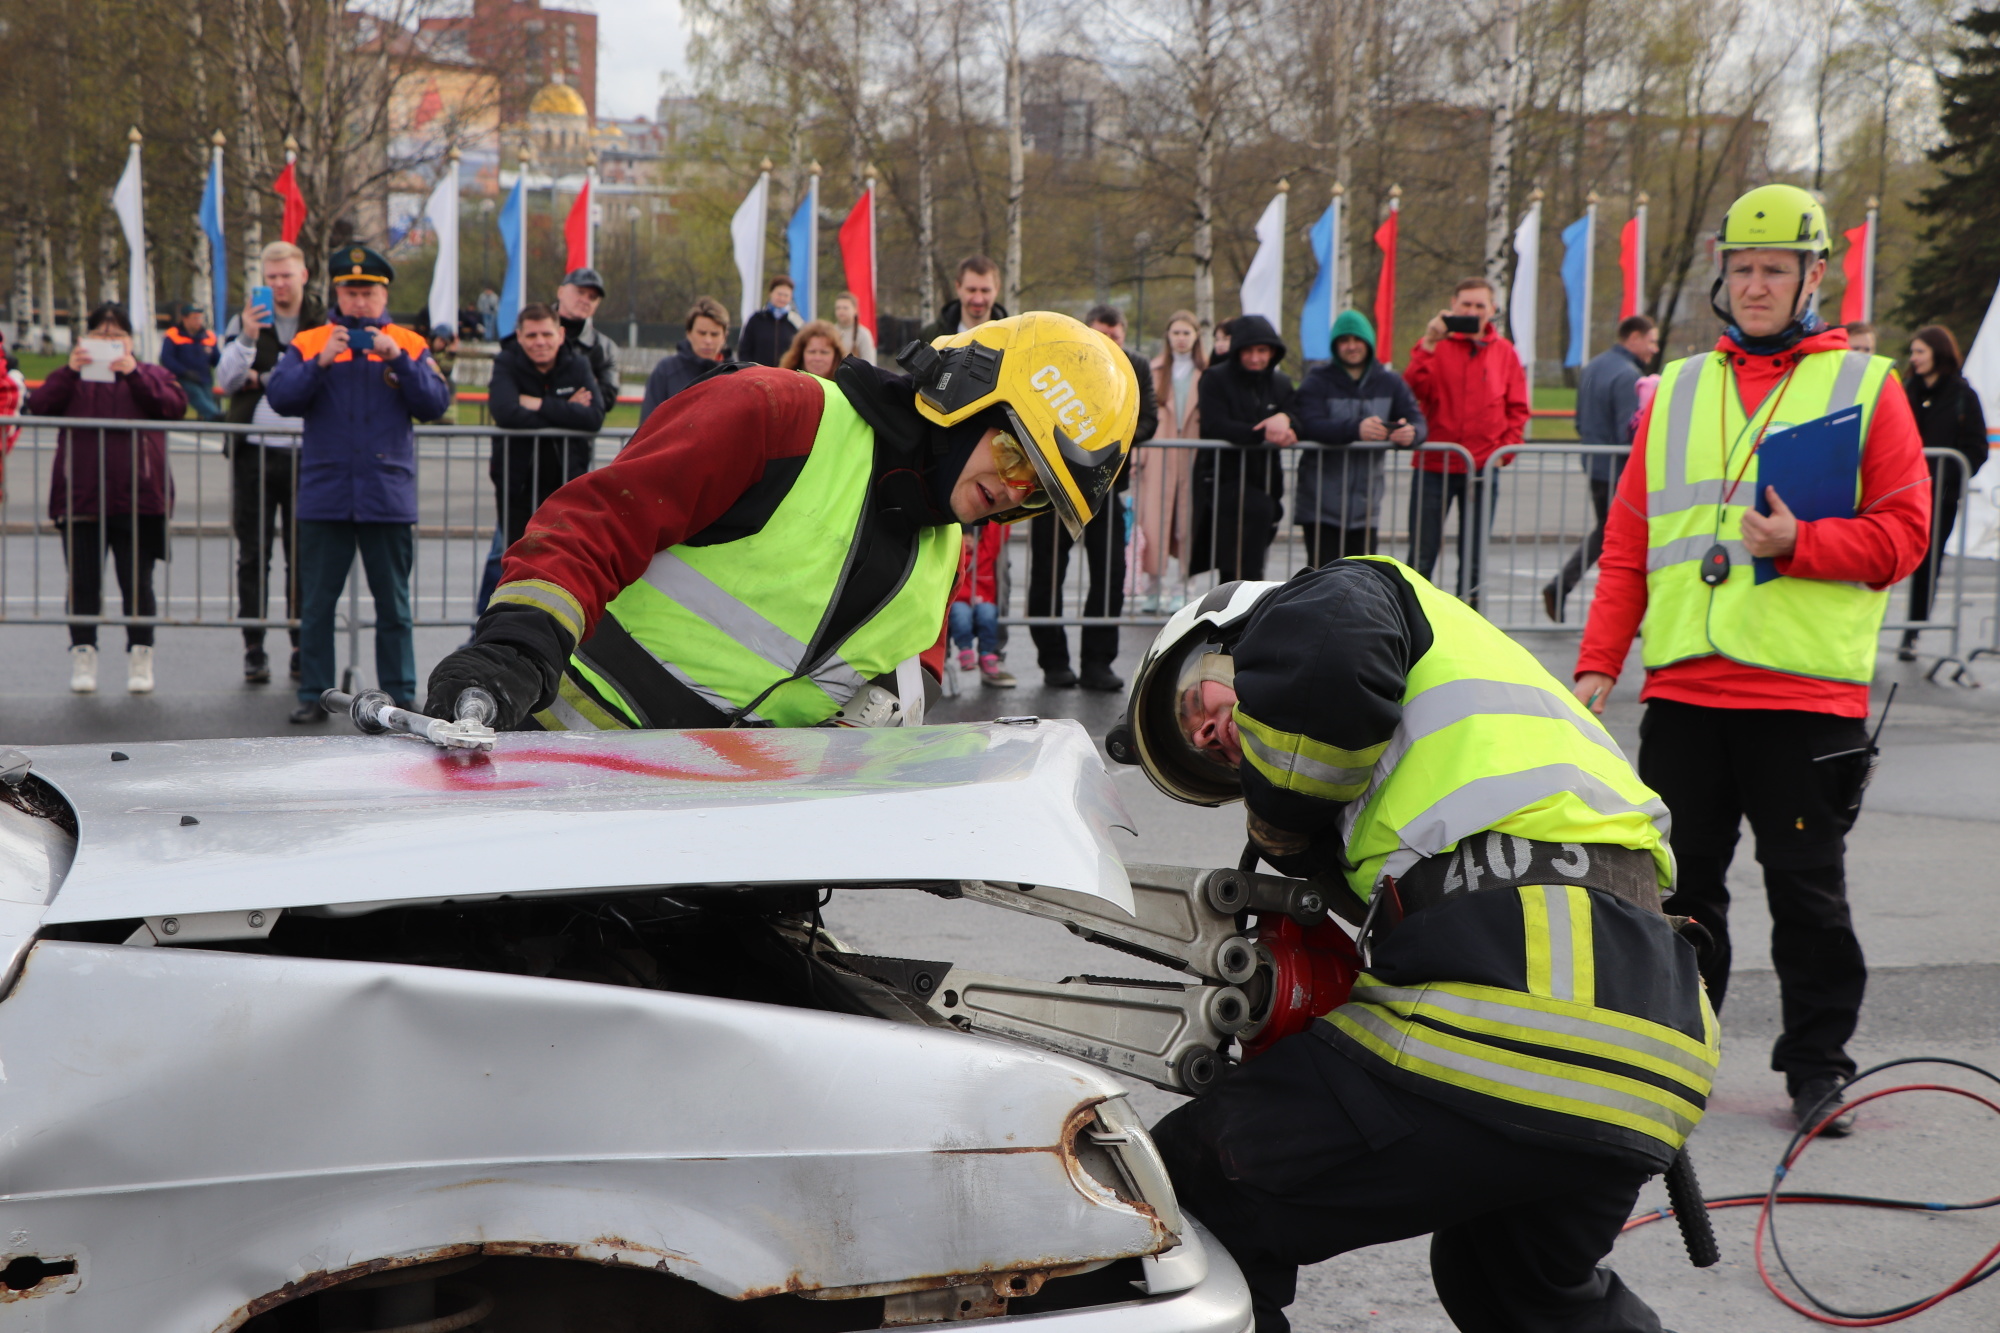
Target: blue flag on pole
[(211, 225), (513, 216), (802, 240), (1316, 318), (1576, 284)]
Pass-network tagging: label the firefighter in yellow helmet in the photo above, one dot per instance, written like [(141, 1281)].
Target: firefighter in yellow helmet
[(776, 549), (1760, 624)]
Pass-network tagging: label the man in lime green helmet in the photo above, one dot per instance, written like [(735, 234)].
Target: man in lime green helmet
[(1756, 685), (774, 549), (1528, 1042)]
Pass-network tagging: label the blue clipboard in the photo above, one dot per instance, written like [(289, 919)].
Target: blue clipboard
[(1813, 466)]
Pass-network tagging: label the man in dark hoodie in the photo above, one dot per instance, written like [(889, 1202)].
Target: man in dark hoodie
[(540, 379), (978, 300), (1238, 497), (1351, 399), (699, 353)]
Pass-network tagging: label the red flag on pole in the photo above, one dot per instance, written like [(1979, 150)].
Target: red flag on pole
[(1628, 264), (1385, 285), (857, 258), (1854, 266), (286, 187), (576, 231)]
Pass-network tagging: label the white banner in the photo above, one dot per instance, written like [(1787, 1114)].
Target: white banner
[(1264, 280), (128, 200), (1982, 372), (746, 229), (1527, 287), (442, 210)]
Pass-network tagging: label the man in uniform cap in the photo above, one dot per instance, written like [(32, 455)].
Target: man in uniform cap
[(577, 299), (359, 382)]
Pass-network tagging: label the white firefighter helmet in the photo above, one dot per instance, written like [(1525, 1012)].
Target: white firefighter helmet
[(1189, 649)]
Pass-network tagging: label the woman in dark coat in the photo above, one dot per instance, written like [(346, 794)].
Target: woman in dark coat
[(1245, 401), (110, 491), (1948, 417)]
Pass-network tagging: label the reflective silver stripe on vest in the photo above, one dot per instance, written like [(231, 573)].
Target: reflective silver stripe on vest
[(1454, 701), (1847, 383), (1548, 1085), (685, 584), (1557, 1027), (1683, 549), (1484, 802), (1677, 493), (1286, 761)]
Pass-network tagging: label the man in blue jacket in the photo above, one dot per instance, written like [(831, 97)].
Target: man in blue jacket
[(1607, 403), (360, 383), (1352, 399)]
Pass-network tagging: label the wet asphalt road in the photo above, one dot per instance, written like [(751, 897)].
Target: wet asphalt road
[(1924, 864)]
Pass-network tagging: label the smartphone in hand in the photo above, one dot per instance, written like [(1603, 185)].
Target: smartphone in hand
[(102, 352), (261, 298)]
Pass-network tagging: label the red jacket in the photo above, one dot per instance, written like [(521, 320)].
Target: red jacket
[(1473, 393), (979, 568), (1882, 544)]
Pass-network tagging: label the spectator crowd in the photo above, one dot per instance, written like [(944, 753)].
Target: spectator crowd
[(327, 471)]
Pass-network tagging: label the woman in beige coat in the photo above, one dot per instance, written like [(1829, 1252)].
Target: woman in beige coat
[(1162, 478)]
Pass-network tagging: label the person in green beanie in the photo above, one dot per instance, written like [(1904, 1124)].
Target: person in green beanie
[(1352, 399)]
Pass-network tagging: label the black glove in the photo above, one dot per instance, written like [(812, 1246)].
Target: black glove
[(518, 682)]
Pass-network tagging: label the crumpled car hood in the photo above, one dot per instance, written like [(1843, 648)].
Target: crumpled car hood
[(263, 823)]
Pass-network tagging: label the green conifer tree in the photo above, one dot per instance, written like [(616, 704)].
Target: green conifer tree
[(1953, 280)]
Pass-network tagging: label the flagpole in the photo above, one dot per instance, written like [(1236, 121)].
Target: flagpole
[(1639, 253), (1589, 276), (590, 218), (527, 164), (138, 276), (757, 292), (1868, 271), (1284, 195), (874, 314), (811, 293), (1338, 258)]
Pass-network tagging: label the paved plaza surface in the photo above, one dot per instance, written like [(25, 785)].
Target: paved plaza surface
[(1924, 864)]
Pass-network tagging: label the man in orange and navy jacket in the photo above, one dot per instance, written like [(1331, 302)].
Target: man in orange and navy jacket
[(189, 353), (360, 383)]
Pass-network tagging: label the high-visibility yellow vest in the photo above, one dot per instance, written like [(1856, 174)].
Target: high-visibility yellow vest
[(1701, 477), (1490, 742), (732, 620)]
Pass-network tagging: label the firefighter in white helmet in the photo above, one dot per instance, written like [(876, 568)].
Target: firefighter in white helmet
[(1529, 1041)]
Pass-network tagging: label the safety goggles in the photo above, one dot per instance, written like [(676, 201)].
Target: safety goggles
[(1017, 469)]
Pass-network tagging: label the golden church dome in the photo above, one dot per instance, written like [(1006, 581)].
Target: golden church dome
[(558, 99)]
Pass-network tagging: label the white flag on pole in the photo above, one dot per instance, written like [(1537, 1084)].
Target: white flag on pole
[(442, 210), (1526, 291), (746, 229), (1982, 372), (128, 200), (1264, 280)]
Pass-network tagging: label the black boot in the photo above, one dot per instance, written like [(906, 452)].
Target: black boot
[(256, 667)]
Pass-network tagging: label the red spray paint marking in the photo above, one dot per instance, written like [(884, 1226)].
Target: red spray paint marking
[(750, 757)]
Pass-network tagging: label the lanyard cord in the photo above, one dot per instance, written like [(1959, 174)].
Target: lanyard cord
[(1722, 429)]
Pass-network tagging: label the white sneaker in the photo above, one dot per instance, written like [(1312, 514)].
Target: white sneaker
[(139, 669), (83, 668)]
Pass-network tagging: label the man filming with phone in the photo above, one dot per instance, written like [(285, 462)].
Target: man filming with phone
[(264, 468), (1470, 384)]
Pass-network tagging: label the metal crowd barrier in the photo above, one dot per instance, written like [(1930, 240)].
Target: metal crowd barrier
[(204, 582), (1196, 512)]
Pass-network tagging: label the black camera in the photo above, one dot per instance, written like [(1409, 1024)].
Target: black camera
[(1462, 324)]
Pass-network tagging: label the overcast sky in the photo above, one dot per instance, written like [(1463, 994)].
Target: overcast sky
[(637, 41)]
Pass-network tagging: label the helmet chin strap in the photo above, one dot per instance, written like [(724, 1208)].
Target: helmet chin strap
[(1785, 337)]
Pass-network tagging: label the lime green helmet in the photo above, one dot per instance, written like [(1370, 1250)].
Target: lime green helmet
[(1775, 217), (1772, 217)]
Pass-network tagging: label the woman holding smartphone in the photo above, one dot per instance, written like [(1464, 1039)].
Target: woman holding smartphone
[(110, 491)]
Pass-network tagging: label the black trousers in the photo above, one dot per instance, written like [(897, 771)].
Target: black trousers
[(1432, 495), (1302, 1154), (134, 546), (1048, 561), (264, 483), (1584, 556), (1716, 766), (1327, 542), (1944, 516)]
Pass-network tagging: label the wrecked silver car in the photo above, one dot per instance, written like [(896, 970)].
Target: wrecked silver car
[(350, 1033)]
